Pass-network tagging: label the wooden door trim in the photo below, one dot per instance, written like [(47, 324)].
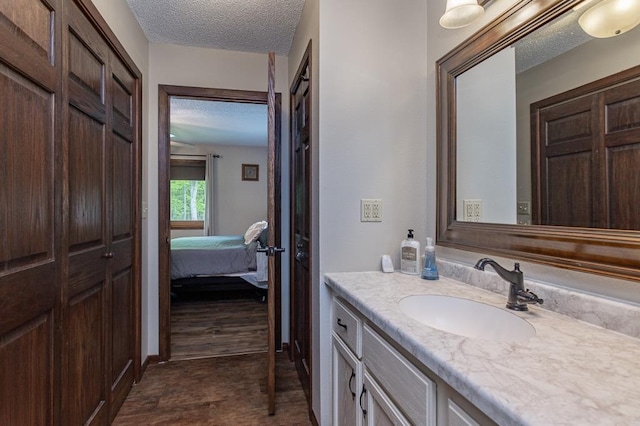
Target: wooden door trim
[(164, 231)]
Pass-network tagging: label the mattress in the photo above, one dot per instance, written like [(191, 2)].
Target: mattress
[(216, 255)]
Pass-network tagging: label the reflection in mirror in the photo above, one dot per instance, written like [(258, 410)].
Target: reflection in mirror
[(583, 169)]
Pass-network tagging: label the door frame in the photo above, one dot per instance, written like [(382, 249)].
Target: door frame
[(164, 225)]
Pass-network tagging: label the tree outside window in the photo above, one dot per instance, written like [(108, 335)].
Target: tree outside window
[(187, 194)]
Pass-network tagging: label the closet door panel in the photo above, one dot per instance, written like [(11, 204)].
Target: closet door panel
[(86, 292), (26, 172), (122, 333), (622, 144), (123, 199), (85, 396), (28, 286), (26, 385), (28, 28)]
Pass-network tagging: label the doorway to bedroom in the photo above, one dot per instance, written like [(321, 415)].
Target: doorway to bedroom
[(213, 285)]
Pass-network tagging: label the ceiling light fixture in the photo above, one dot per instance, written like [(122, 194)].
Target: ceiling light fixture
[(460, 13), (610, 18)]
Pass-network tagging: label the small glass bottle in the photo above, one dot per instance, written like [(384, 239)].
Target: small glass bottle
[(430, 269)]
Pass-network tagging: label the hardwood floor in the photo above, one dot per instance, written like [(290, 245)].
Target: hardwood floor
[(205, 325), (228, 390), (218, 370)]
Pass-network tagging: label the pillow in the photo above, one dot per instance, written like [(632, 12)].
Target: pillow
[(264, 236), (254, 232)]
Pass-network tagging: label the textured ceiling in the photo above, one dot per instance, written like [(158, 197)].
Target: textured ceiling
[(197, 122), (258, 26), (553, 39)]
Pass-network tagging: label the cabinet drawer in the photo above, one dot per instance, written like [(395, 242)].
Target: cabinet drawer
[(348, 326), (412, 391)]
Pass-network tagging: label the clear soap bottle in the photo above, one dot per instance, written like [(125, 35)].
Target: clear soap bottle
[(430, 269)]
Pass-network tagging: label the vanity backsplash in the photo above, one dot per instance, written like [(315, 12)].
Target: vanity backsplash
[(610, 314)]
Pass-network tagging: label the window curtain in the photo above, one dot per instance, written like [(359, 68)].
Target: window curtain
[(210, 178)]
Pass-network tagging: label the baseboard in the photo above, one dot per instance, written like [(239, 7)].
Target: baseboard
[(151, 359)]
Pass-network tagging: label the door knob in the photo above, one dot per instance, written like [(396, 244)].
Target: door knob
[(107, 255)]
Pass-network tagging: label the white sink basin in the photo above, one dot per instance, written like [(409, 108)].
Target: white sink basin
[(466, 317)]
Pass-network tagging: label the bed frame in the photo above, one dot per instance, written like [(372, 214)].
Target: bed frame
[(215, 284)]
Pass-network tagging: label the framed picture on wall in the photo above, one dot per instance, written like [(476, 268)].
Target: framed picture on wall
[(250, 171)]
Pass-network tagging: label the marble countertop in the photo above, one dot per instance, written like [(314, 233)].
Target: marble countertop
[(570, 373)]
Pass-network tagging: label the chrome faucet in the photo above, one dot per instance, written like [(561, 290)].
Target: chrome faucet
[(518, 297)]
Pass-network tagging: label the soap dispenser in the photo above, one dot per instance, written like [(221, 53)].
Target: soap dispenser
[(410, 255), (430, 269)]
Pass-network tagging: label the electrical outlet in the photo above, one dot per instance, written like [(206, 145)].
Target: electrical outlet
[(524, 207), (472, 210), (370, 210)]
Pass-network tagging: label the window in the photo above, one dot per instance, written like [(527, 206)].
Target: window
[(187, 194)]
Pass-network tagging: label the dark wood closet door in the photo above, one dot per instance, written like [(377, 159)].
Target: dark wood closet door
[(29, 35), (621, 107), (567, 167), (99, 296), (122, 237), (301, 228), (586, 157), (86, 296)]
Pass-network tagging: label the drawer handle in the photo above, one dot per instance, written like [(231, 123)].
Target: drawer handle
[(364, 392), (341, 324), (353, 394)]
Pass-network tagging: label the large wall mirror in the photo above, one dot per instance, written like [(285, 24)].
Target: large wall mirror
[(539, 140)]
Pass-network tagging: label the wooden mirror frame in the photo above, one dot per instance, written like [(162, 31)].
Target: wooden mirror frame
[(614, 253)]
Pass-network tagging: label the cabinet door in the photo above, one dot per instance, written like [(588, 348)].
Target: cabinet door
[(347, 379), (456, 416), (379, 410)]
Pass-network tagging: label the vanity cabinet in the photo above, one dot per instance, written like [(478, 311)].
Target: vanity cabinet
[(374, 383), (362, 386)]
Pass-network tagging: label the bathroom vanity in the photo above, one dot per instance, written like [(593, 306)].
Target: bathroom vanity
[(390, 368)]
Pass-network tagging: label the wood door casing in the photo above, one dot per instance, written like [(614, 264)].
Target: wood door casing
[(301, 238), (165, 92), (586, 153)]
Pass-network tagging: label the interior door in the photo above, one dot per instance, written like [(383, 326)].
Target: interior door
[(29, 219), (271, 219), (301, 225), (85, 296)]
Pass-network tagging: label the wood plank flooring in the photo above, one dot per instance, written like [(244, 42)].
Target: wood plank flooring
[(207, 381), (209, 324), (228, 390)]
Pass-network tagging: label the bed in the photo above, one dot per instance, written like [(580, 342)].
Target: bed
[(220, 262)]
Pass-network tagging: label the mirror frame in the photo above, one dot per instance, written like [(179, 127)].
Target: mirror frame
[(614, 253)]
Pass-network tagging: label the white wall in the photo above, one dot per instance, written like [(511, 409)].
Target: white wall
[(238, 203), (120, 19), (373, 98), (440, 41), (486, 138)]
